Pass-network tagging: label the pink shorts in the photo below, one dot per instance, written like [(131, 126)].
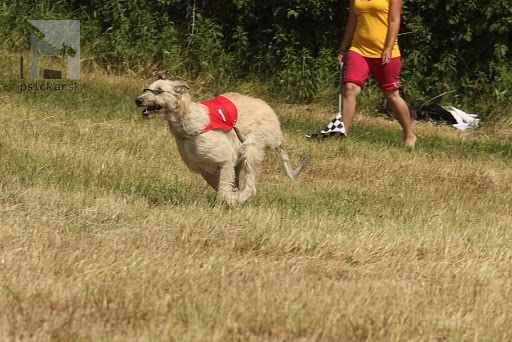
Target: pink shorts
[(358, 68)]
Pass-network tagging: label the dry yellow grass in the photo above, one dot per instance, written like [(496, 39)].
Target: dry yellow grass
[(104, 234)]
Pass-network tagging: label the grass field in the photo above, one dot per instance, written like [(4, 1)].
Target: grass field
[(105, 235)]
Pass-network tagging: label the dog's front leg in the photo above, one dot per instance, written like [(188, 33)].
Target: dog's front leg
[(226, 191)]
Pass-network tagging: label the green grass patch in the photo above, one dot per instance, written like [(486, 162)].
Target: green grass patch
[(392, 138), (102, 226)]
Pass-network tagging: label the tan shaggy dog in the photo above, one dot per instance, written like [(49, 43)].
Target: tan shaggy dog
[(219, 156)]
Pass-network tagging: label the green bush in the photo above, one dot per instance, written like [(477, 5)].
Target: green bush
[(455, 50)]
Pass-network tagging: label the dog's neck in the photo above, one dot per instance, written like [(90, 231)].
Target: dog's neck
[(182, 124)]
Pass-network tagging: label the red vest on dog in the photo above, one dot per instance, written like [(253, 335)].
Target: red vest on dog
[(223, 114)]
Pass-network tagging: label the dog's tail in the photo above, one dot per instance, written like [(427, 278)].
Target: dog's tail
[(290, 172)]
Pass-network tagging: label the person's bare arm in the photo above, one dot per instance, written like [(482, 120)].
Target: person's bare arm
[(394, 16), (348, 34)]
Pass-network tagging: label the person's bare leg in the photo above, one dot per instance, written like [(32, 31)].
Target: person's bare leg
[(402, 115), (350, 93)]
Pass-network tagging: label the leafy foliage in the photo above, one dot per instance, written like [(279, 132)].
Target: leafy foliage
[(460, 47), (457, 49)]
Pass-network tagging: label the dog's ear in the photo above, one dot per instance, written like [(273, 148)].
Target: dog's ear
[(181, 88), (162, 75)]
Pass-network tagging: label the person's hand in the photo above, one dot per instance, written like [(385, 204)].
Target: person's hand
[(386, 56), (341, 56)]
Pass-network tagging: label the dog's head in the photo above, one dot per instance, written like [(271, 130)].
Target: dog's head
[(161, 95)]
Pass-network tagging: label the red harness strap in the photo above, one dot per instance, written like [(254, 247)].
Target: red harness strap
[(223, 114)]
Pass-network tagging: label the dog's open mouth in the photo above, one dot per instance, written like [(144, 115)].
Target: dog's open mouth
[(151, 111)]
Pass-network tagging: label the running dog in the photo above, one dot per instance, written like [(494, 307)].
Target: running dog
[(221, 138)]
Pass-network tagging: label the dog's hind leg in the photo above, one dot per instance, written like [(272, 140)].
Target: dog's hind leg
[(251, 155)]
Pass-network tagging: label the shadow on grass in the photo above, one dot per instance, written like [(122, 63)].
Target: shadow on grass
[(331, 204), (60, 172), (393, 138), (71, 175)]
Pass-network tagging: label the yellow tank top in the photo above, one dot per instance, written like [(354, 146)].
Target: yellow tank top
[(372, 28)]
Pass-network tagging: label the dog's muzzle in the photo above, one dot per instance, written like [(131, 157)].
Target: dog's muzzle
[(149, 111), (139, 102)]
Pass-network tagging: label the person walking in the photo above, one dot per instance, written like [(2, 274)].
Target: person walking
[(369, 46)]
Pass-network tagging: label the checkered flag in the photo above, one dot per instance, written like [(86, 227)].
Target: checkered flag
[(333, 129)]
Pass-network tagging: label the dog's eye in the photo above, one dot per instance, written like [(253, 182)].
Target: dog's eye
[(154, 91)]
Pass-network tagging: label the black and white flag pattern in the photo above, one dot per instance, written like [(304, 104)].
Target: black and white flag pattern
[(333, 129)]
